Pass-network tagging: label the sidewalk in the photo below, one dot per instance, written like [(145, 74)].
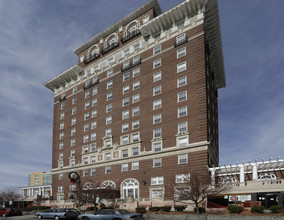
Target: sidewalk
[(22, 217)]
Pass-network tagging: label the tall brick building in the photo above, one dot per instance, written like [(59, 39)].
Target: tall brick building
[(139, 112)]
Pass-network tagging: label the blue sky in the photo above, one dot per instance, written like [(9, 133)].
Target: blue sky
[(37, 39)]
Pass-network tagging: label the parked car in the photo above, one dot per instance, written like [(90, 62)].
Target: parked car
[(58, 214), (112, 214), (9, 212)]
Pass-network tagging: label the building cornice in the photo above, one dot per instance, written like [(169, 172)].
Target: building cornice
[(140, 11)]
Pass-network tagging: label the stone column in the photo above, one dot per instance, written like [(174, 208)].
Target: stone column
[(254, 172), (242, 175), (213, 177)]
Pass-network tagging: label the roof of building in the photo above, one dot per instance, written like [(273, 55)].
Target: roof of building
[(140, 11)]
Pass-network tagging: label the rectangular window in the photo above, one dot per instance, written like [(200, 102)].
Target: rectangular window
[(125, 101), (135, 111), (85, 149), (110, 72), (60, 156), (135, 124), (182, 81), (136, 60), (157, 162), (182, 96), (93, 124), (74, 110), (125, 89), (86, 172), (86, 127), (157, 180), (87, 105), (109, 84), (135, 137), (108, 131), (108, 143), (108, 120), (157, 118), (182, 158), (73, 142), (109, 96), (62, 106), (108, 156), (75, 89), (109, 107), (157, 104), (125, 114), (181, 52), (124, 167), (125, 139), (125, 77), (61, 135), (93, 136), (72, 153), (93, 159), (157, 133), (182, 141), (157, 63), (182, 178), (85, 138), (61, 126), (157, 146), (125, 127), (93, 147), (107, 169), (135, 165), (182, 127), (124, 153), (73, 121), (94, 102), (136, 98), (157, 49), (157, 76), (126, 52), (180, 38), (182, 111), (93, 171), (126, 64), (74, 100), (95, 91), (135, 151), (62, 115), (180, 24), (87, 94), (181, 66), (136, 47), (85, 160), (60, 188), (136, 85), (94, 113), (86, 116), (136, 72), (157, 90), (61, 144)]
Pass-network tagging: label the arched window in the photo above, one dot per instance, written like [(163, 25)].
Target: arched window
[(132, 29), (94, 50), (228, 180), (267, 176), (130, 189), (88, 186), (108, 184)]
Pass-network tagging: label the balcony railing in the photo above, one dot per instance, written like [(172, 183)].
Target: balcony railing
[(91, 58), (110, 47), (124, 68), (91, 84), (130, 35), (181, 42)]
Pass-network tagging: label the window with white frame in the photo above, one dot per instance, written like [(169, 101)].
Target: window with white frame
[(124, 139), (61, 135), (157, 49), (182, 127), (110, 72), (125, 127), (60, 197), (87, 94), (135, 111), (135, 165), (181, 66), (107, 169), (136, 98), (108, 156), (136, 46), (182, 96), (125, 114), (85, 149), (157, 90), (73, 142), (135, 137), (182, 158), (95, 91), (157, 76), (157, 104), (182, 111), (180, 24), (182, 81), (182, 178), (93, 124), (136, 59), (94, 102), (72, 153), (157, 193), (86, 138), (125, 77), (87, 105), (86, 116), (125, 153), (75, 89), (85, 172), (61, 126), (125, 101), (126, 52), (180, 38), (182, 141), (108, 120), (60, 155), (60, 164), (136, 72), (93, 159), (136, 85), (93, 171), (135, 151), (61, 144), (74, 110), (181, 52), (73, 121), (86, 127), (72, 163), (93, 136), (125, 89), (74, 100), (157, 180), (94, 113), (93, 147), (126, 64), (157, 118), (157, 133), (60, 188), (85, 160), (109, 107), (109, 96), (124, 167), (62, 106), (157, 162), (157, 63), (62, 115), (135, 124), (108, 131), (108, 143), (157, 146), (109, 84)]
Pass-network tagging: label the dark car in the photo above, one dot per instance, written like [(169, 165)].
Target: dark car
[(9, 212), (58, 214), (112, 214)]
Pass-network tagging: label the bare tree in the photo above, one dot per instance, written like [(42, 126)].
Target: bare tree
[(9, 194), (196, 188)]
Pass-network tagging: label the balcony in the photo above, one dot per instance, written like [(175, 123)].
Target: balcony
[(110, 47), (91, 84), (124, 68), (91, 58), (182, 41), (130, 35)]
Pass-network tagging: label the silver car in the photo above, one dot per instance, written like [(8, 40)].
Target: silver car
[(58, 214), (112, 214)]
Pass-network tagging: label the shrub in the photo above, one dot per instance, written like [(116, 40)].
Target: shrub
[(235, 209), (166, 208), (154, 209), (141, 210), (179, 208), (277, 208), (257, 209), (201, 210)]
